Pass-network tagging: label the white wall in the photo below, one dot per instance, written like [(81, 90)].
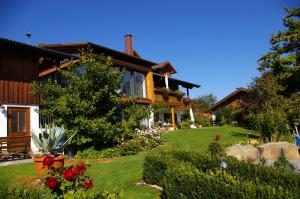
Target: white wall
[(34, 121)]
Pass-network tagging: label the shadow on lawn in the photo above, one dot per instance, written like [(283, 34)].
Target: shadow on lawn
[(244, 135)]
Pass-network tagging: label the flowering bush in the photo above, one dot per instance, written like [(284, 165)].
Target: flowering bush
[(66, 180)]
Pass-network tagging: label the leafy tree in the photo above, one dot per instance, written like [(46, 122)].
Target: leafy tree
[(271, 124), (283, 61), (89, 103), (200, 105)]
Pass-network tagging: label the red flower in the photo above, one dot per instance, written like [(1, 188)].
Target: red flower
[(88, 184), (218, 137), (69, 174), (48, 161), (80, 168), (51, 182)]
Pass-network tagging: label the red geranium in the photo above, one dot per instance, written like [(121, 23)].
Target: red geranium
[(48, 161), (80, 168), (88, 184), (69, 174), (51, 182), (218, 137)]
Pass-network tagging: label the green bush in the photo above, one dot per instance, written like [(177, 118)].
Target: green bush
[(185, 125), (185, 181), (155, 165), (215, 148), (270, 123), (158, 164), (18, 192)]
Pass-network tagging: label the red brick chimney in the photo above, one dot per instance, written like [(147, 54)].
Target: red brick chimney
[(128, 44)]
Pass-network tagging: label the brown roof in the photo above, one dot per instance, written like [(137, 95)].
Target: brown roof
[(220, 102), (181, 82), (70, 47), (4, 41), (167, 65)]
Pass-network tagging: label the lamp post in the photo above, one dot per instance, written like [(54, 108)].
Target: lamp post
[(223, 165)]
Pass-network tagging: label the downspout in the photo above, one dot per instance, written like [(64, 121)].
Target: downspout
[(167, 80)]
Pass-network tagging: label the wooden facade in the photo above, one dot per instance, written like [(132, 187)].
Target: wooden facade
[(233, 100), (14, 92), (154, 73)]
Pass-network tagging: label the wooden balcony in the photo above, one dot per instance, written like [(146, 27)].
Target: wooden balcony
[(172, 100)]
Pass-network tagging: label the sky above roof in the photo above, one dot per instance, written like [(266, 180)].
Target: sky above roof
[(214, 43)]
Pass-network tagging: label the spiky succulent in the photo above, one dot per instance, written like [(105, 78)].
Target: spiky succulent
[(51, 139)]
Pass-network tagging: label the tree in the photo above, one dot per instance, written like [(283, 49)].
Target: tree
[(88, 103), (200, 105), (283, 61)]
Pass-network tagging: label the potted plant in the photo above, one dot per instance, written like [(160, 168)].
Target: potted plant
[(179, 94), (165, 93), (50, 142)]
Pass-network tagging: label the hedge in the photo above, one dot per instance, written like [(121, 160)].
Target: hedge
[(164, 167), (244, 170), (185, 181)]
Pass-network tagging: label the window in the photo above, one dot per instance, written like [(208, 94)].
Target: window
[(134, 84)]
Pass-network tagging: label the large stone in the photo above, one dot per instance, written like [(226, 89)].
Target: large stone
[(271, 150), (243, 152)]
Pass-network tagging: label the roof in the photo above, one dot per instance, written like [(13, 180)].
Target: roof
[(4, 41), (103, 49), (167, 65), (181, 82), (236, 92)]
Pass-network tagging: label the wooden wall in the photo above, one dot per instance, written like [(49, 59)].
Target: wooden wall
[(12, 92), (18, 65)]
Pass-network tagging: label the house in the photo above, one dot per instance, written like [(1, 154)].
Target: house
[(234, 101), (144, 79), (21, 64)]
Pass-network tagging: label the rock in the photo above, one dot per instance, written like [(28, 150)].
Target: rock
[(270, 151), (243, 152)]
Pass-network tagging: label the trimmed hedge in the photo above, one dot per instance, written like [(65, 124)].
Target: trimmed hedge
[(185, 181), (187, 171), (244, 170)]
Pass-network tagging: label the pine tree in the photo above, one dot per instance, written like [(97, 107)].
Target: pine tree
[(283, 61)]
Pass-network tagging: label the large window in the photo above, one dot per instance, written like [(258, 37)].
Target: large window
[(134, 84)]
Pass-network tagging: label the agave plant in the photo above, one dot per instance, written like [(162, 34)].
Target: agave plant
[(51, 139)]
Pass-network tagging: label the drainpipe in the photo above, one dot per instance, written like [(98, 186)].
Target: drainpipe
[(167, 80)]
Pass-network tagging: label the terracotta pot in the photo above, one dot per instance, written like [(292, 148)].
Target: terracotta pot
[(38, 163)]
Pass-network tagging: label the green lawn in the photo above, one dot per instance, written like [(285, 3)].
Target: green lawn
[(121, 174)]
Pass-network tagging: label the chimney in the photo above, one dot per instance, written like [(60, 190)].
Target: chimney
[(128, 44)]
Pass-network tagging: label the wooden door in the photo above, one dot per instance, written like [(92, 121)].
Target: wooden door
[(18, 122)]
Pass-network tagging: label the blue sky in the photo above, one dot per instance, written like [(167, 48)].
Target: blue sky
[(214, 43)]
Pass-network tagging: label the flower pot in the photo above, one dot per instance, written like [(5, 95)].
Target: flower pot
[(38, 163)]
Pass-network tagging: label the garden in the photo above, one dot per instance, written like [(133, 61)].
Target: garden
[(120, 174)]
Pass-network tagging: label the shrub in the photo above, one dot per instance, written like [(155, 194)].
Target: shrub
[(283, 163), (157, 164), (185, 125), (269, 123), (142, 140), (185, 181), (215, 148)]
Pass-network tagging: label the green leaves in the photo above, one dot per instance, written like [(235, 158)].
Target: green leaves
[(284, 59)]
